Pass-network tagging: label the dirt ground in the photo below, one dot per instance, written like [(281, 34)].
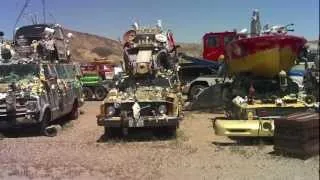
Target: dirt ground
[(78, 152)]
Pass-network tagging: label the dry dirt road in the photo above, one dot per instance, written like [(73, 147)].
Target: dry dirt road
[(196, 153)]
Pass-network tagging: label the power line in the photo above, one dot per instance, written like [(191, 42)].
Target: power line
[(21, 13)]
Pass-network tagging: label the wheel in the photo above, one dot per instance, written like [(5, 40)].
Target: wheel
[(195, 89), (74, 114), (87, 92), (100, 92), (112, 132), (44, 124)]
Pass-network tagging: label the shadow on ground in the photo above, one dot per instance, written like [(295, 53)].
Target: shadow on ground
[(245, 141), (31, 130), (277, 153), (138, 135)]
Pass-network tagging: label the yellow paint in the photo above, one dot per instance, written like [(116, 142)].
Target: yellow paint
[(238, 128), (264, 105), (250, 115), (264, 63)]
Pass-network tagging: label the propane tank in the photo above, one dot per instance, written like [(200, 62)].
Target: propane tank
[(283, 80)]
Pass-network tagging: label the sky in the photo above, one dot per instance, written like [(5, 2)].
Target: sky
[(188, 19)]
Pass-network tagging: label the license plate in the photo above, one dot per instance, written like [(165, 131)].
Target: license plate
[(136, 123)]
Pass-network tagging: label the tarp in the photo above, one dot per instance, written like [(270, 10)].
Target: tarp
[(210, 97)]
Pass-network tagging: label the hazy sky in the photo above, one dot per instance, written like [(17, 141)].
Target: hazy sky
[(189, 19)]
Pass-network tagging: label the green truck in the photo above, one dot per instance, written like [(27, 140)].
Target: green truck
[(96, 80)]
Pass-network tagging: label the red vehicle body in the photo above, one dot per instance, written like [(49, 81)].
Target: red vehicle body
[(103, 69), (214, 44)]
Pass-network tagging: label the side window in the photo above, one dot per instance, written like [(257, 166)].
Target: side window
[(62, 74), (70, 69), (227, 39), (213, 41), (49, 70)]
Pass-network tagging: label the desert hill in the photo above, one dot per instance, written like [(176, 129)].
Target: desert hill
[(87, 47)]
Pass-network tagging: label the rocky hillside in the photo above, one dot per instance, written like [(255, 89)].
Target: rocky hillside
[(87, 47)]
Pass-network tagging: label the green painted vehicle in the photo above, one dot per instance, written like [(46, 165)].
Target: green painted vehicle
[(95, 86)]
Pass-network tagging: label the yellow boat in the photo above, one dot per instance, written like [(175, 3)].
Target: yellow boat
[(264, 55)]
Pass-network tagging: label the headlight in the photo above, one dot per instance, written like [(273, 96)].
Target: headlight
[(162, 109), (251, 114), (116, 105), (110, 111), (32, 106)]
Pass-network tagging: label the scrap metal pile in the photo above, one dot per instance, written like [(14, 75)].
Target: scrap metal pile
[(261, 91), (298, 135), (37, 43), (252, 80)]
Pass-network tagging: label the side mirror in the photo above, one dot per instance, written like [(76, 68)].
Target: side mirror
[(1, 33)]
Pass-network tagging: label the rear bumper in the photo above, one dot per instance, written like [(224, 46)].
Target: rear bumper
[(142, 122), (245, 128)]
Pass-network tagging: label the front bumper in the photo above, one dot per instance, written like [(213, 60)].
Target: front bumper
[(129, 122), (246, 128), (8, 121)]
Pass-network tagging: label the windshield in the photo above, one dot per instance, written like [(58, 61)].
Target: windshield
[(17, 72)]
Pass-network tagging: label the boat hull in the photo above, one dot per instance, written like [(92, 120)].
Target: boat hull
[(264, 55)]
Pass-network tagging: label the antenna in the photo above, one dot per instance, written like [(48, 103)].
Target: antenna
[(54, 19), (44, 10), (20, 14)]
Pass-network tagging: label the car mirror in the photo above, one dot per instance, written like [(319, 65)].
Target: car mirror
[(1, 34)]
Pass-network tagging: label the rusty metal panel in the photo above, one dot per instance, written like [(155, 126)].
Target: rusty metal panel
[(298, 134)]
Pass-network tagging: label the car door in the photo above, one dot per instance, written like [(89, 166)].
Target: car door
[(60, 44), (71, 86), (70, 82), (51, 88), (64, 86)]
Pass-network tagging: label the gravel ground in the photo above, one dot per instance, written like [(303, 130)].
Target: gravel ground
[(78, 153)]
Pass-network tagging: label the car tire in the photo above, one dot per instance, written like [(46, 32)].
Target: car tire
[(100, 93), (44, 124), (74, 114), (195, 89), (87, 92), (112, 132)]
